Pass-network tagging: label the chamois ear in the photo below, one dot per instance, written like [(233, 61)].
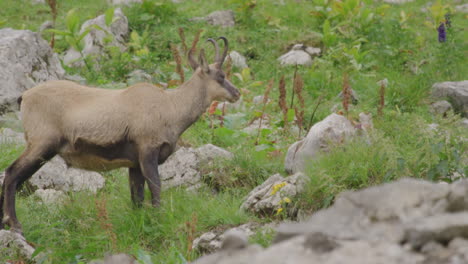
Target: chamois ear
[(202, 61), (193, 63)]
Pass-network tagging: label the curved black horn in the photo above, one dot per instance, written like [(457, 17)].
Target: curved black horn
[(215, 44), (226, 47)]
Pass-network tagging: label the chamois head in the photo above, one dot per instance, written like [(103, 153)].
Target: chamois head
[(217, 85)]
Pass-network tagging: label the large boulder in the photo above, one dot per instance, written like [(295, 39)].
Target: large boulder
[(274, 194), (408, 221), (56, 175), (97, 39), (455, 92), (333, 130), (25, 61), (238, 60), (14, 245), (223, 18), (183, 167)]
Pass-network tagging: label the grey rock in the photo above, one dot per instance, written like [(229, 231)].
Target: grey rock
[(138, 76), (273, 194), (238, 105), (224, 18), (232, 238), (456, 92), (299, 55), (123, 2), (12, 244), (253, 128), (55, 174), (182, 167), (464, 122), (353, 96), (397, 1), (26, 60), (441, 228), (257, 100), (96, 40), (333, 130), (238, 60), (116, 259), (462, 8), (8, 135), (50, 196), (441, 107), (408, 221), (46, 25), (11, 120)]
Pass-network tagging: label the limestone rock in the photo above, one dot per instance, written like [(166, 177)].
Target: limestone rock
[(8, 135), (224, 18), (116, 259), (462, 8), (123, 2), (56, 175), (139, 76), (397, 1), (299, 55), (50, 196), (276, 192), (182, 167), (96, 40), (12, 244), (456, 92), (238, 60), (441, 107), (252, 129), (334, 129), (26, 60), (409, 221), (233, 238)]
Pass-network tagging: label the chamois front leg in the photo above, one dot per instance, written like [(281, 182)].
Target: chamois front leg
[(149, 167), (137, 185)]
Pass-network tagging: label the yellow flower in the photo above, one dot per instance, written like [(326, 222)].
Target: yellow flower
[(277, 187), (279, 211), (286, 200)]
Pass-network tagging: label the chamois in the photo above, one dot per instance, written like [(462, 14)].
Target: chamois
[(98, 129)]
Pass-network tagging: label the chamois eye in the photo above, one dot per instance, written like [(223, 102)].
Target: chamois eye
[(220, 77)]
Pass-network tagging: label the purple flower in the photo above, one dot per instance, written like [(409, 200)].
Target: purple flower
[(442, 33)]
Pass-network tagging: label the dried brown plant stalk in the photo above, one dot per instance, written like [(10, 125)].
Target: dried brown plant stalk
[(196, 39), (103, 218), (53, 9), (182, 38), (282, 100), (299, 111), (293, 92), (382, 99), (178, 60), (265, 101), (191, 227), (346, 92)]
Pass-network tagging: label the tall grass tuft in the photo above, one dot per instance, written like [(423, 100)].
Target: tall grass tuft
[(381, 98)]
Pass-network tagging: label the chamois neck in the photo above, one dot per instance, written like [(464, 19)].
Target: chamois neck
[(191, 101)]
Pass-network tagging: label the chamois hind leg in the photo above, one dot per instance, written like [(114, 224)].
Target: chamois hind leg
[(21, 170), (149, 167), (137, 185)]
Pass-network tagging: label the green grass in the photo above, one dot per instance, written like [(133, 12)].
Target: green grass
[(395, 43)]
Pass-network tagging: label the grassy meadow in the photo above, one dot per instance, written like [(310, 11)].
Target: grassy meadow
[(362, 42)]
